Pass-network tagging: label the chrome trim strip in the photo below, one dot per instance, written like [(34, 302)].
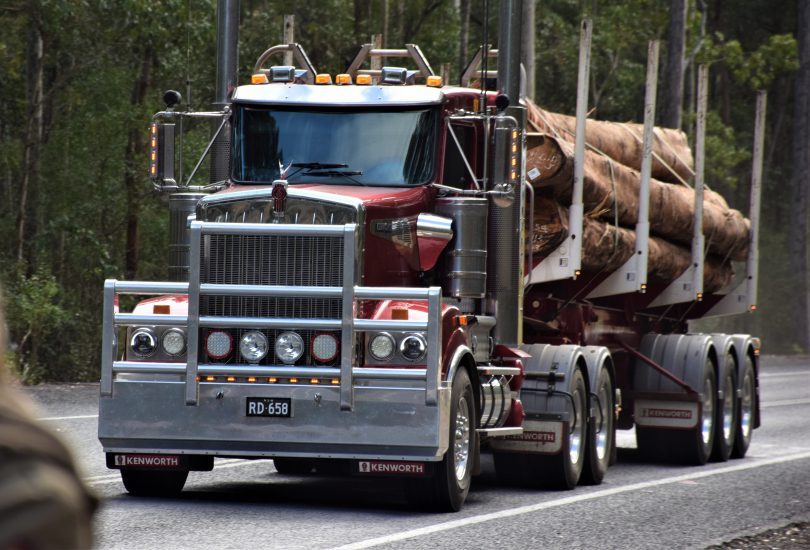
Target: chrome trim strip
[(140, 287), (387, 325), (390, 293), (292, 191), (193, 344), (269, 322), (134, 367), (499, 432), (434, 341), (347, 338), (134, 319), (489, 370), (211, 289), (455, 361), (389, 374), (280, 229), (108, 340), (277, 371)]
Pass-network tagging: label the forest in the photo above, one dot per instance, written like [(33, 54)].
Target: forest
[(82, 79)]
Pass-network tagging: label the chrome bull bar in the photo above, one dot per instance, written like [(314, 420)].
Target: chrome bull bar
[(349, 325)]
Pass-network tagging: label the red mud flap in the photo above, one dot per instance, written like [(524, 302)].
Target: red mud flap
[(392, 468), (539, 437), (139, 461)]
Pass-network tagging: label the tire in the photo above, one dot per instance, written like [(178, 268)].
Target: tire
[(745, 412), (725, 423), (447, 490), (293, 466), (560, 471), (154, 483), (693, 446), (601, 433)]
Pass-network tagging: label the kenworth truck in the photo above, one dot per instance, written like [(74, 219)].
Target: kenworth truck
[(354, 296)]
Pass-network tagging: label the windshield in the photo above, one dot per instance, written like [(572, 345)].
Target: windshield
[(367, 147)]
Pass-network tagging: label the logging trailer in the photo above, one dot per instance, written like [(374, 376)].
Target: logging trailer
[(352, 294)]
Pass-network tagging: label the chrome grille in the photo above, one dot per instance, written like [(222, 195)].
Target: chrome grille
[(271, 260)]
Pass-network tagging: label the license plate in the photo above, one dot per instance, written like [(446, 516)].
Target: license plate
[(280, 407)]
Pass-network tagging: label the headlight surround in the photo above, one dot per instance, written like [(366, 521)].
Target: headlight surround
[(413, 347), (173, 342), (382, 346), (143, 342), (289, 347), (218, 344), (253, 346)]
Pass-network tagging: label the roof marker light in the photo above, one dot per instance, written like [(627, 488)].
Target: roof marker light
[(259, 78), (323, 78), (363, 80), (435, 81), (343, 79)]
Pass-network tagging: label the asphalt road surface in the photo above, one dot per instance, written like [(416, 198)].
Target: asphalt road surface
[(247, 504)]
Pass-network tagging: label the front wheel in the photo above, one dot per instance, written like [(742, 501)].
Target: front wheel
[(448, 489), (149, 483)]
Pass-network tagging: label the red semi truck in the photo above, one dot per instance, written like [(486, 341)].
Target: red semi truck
[(355, 297)]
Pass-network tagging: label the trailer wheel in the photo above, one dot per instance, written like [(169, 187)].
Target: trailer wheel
[(559, 471), (727, 418), (601, 433), (447, 490), (745, 424), (693, 446), (293, 466), (149, 483)]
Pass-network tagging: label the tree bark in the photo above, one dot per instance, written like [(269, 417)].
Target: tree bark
[(135, 154), (672, 105), (32, 139), (797, 229)]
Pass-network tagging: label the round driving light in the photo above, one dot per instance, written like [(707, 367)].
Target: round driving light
[(413, 347), (174, 341), (381, 347), (289, 347), (253, 346), (218, 344), (324, 347), (143, 342)]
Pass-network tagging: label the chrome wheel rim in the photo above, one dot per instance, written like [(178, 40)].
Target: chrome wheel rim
[(604, 429), (747, 405), (708, 410), (461, 442), (728, 408), (576, 436)]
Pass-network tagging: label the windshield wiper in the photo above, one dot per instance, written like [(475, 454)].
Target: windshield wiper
[(337, 174), (319, 165)]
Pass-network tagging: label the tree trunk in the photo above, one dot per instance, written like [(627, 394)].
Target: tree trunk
[(672, 104), (32, 140), (136, 152), (463, 35), (797, 229)]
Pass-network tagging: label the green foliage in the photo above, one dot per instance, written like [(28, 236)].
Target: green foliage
[(758, 68)]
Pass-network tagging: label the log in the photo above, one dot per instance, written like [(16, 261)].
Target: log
[(605, 248), (622, 141), (611, 190)]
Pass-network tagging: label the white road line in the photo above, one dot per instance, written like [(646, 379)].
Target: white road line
[(781, 374), (785, 403), (512, 512), (79, 417)]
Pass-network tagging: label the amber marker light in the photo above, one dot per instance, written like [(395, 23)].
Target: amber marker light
[(293, 380), (335, 381), (314, 381), (363, 80), (343, 79), (161, 309), (399, 314), (272, 380), (323, 78), (434, 81), (209, 378), (251, 378), (231, 379), (258, 78)]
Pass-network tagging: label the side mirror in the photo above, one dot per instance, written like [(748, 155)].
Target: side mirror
[(161, 155)]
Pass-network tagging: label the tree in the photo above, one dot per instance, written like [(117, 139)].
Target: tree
[(671, 107)]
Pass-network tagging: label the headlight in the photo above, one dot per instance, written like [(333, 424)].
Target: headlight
[(253, 346), (381, 347), (174, 341), (143, 342), (289, 347), (218, 344), (413, 347), (324, 347)]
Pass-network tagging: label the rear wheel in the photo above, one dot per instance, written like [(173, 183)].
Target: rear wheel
[(693, 446), (726, 420), (448, 488), (601, 433), (293, 466), (154, 483), (745, 425), (560, 471)]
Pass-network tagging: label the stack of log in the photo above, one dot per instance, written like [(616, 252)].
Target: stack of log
[(611, 199)]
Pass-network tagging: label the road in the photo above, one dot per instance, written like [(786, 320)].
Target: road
[(246, 504)]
